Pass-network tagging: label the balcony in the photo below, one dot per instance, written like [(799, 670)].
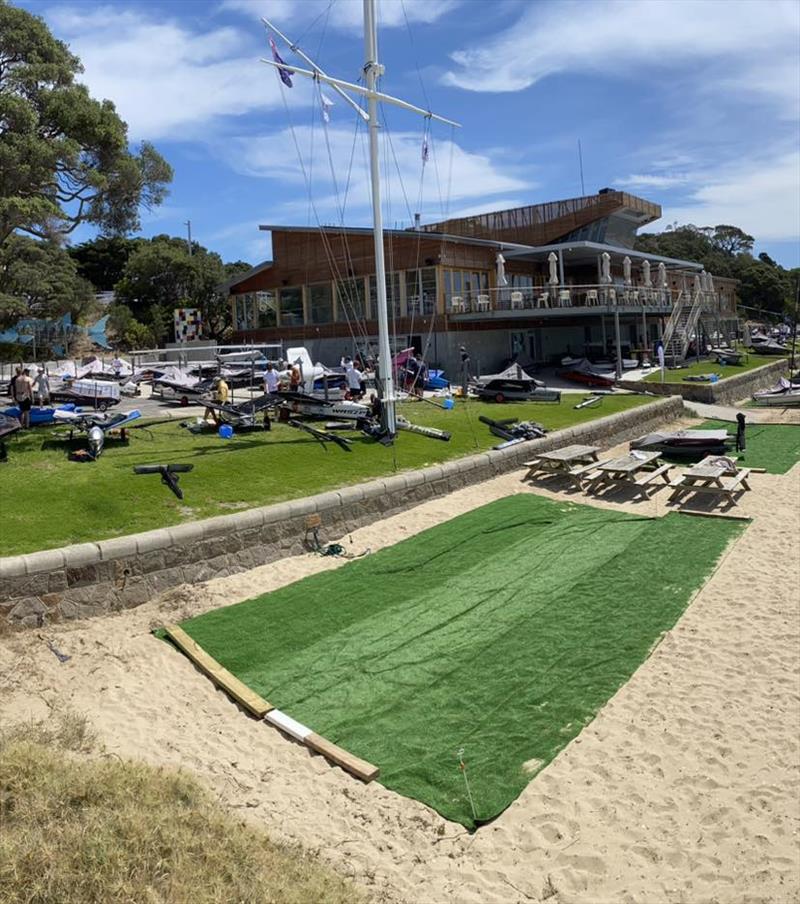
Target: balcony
[(559, 300)]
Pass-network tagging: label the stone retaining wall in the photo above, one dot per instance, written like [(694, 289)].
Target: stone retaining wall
[(94, 578), (725, 392)]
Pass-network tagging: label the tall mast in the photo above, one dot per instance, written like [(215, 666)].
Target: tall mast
[(373, 70)]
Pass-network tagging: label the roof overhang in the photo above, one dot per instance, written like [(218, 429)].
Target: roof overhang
[(248, 274), (587, 252)]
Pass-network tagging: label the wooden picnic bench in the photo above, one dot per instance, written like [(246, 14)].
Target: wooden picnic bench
[(709, 476), (572, 462), (638, 471)]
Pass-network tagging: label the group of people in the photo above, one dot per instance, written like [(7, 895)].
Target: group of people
[(27, 390)]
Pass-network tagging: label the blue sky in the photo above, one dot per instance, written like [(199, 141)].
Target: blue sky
[(694, 104)]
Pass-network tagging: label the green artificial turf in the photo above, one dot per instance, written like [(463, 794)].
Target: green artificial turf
[(750, 362), (775, 447), (49, 501), (498, 634)]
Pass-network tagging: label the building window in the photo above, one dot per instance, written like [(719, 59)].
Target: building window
[(320, 299), (520, 280), (350, 300), (292, 306), (266, 307), (243, 314), (421, 291), (392, 294)]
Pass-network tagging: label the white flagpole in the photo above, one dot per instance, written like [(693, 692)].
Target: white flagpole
[(372, 70)]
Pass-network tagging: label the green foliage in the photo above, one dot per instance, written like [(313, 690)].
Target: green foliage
[(726, 251), (39, 279), (161, 275), (126, 330), (102, 260), (64, 156)]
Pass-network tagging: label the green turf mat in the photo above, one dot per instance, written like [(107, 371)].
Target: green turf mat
[(501, 632), (775, 447)]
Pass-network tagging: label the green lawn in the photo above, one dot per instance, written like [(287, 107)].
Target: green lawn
[(775, 447), (711, 367), (496, 636), (49, 501)]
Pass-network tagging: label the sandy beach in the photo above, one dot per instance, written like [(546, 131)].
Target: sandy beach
[(685, 788)]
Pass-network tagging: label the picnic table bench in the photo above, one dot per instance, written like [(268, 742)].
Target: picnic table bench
[(637, 470), (572, 462), (708, 476)]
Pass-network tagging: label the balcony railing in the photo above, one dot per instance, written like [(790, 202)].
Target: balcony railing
[(548, 297)]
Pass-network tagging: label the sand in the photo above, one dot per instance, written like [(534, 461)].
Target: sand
[(685, 788)]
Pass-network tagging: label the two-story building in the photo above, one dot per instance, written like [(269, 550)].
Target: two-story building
[(537, 282)]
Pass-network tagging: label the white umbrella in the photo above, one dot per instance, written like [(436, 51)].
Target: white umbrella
[(646, 274), (605, 268), (698, 286), (501, 270), (552, 260), (626, 270), (662, 276)]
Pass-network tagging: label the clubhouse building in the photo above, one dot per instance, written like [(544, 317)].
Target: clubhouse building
[(536, 282)]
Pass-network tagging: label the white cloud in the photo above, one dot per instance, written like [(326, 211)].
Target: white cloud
[(344, 14), (452, 175), (761, 196), (754, 44), (652, 181), (165, 79)]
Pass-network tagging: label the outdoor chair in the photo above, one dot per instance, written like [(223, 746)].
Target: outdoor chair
[(591, 297), (543, 300), (483, 303), (564, 299), (516, 301), (457, 305)]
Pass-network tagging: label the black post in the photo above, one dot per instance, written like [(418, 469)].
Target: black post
[(794, 321)]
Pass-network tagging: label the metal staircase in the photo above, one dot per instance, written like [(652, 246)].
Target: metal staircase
[(682, 324)]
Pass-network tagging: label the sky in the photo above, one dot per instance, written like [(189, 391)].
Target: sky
[(693, 104)]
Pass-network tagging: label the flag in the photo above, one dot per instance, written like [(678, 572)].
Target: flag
[(327, 103), (424, 150), (285, 74)]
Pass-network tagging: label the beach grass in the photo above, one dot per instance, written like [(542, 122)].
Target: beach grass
[(49, 501), (694, 369), (476, 649), (79, 828)]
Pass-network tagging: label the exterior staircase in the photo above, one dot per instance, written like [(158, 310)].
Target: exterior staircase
[(683, 323)]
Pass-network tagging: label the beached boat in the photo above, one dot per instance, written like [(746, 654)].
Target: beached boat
[(686, 443), (783, 395), (513, 385), (39, 417), (770, 347), (588, 374)]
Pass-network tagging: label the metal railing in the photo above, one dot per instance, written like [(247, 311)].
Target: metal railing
[(559, 296)]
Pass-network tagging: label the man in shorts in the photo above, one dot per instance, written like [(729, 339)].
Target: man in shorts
[(23, 390)]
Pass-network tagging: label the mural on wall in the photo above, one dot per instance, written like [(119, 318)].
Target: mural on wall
[(188, 324)]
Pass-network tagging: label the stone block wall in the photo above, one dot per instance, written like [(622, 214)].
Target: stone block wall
[(725, 392), (94, 578)]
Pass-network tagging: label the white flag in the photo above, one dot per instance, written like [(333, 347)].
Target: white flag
[(327, 103)]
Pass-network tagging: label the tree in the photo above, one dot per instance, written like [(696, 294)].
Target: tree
[(762, 286), (64, 157), (102, 260), (161, 275), (39, 279), (731, 240)]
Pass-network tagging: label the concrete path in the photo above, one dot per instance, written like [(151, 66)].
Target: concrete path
[(753, 415)]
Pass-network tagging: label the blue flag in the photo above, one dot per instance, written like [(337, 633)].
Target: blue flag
[(285, 74)]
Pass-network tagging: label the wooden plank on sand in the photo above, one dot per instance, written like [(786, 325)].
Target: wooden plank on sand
[(358, 767), (219, 675), (697, 514)]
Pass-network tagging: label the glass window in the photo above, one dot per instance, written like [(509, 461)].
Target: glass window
[(421, 291), (292, 306), (392, 295), (320, 299), (350, 300), (243, 312), (266, 306)]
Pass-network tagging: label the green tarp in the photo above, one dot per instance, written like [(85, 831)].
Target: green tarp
[(775, 447), (500, 633)]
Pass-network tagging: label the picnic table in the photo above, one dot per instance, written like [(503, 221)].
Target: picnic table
[(707, 477), (638, 470), (571, 461)]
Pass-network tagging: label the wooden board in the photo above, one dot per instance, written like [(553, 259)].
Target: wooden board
[(358, 767), (713, 515), (219, 675)]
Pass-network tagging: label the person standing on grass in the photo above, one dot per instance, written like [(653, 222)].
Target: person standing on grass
[(355, 380), (23, 389), (464, 371), (294, 379), (740, 440), (271, 379), (12, 391)]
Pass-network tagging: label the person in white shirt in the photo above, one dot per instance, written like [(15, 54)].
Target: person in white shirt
[(355, 380), (41, 388), (271, 379)]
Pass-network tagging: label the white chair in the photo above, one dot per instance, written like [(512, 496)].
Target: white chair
[(543, 301), (516, 301), (564, 299), (457, 305), (612, 296), (484, 304), (591, 297)]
